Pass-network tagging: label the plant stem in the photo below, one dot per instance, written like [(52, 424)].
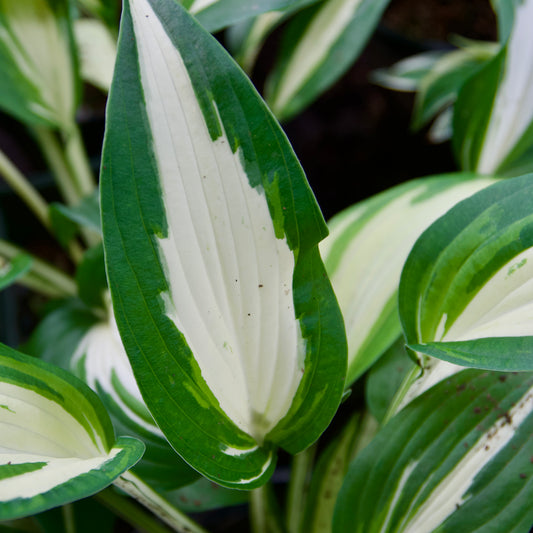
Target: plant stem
[(31, 197), (78, 162), (130, 512), (53, 154), (297, 491), (42, 277), (68, 518), (264, 511), (144, 494), (408, 380)]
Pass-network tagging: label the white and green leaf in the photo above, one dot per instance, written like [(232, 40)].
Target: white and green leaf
[(56, 440), (38, 83), (318, 47), (211, 233), (466, 289), (365, 253), (493, 123), (458, 458)]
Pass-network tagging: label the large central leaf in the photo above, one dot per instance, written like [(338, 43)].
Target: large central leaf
[(211, 236)]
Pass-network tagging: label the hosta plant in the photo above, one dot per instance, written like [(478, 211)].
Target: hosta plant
[(212, 329)]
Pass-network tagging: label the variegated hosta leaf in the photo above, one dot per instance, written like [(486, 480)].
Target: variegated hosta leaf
[(456, 459), (100, 360), (211, 232), (13, 269), (466, 290), (493, 131), (318, 49), (37, 75), (215, 15), (56, 440), (365, 253)]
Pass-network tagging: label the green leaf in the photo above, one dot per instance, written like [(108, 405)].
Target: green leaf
[(59, 333), (505, 11), (211, 232), (215, 15), (456, 459), (365, 253), (38, 78), (466, 290), (106, 10), (493, 123), (91, 278), (86, 214), (319, 46), (13, 269), (56, 440)]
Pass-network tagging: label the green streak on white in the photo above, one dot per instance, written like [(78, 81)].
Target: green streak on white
[(328, 24), (397, 493), (230, 279), (502, 308), (453, 490), (369, 272), (57, 471), (512, 111), (103, 356), (42, 55)]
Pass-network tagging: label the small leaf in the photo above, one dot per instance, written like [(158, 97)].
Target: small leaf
[(466, 289), (56, 440), (91, 278), (458, 458)]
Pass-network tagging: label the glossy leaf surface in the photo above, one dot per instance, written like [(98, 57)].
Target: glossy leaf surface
[(458, 458), (211, 236)]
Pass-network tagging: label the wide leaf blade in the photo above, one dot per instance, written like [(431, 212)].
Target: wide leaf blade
[(458, 458), (466, 289), (56, 441), (211, 232)]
